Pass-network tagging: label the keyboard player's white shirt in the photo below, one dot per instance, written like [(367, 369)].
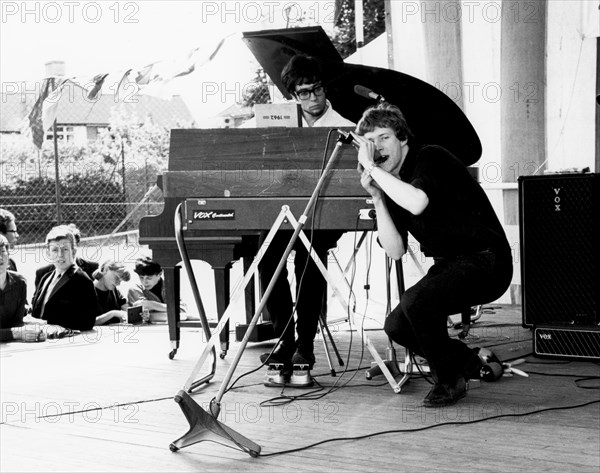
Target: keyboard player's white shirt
[(330, 118)]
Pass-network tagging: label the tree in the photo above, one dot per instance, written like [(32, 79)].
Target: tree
[(99, 181), (258, 91), (92, 200), (344, 37)]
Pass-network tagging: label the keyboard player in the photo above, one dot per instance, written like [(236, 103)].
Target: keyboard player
[(303, 78)]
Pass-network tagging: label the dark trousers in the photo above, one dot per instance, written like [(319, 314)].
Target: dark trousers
[(450, 286), (309, 281)]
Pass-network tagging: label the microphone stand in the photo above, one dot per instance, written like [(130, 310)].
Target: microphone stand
[(282, 263), (204, 423)]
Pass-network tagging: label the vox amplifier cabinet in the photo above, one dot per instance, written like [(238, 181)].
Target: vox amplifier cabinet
[(567, 342), (559, 226)]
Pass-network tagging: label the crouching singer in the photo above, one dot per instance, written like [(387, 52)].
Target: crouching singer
[(425, 190)]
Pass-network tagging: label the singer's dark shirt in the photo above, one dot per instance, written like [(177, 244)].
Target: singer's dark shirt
[(459, 219)]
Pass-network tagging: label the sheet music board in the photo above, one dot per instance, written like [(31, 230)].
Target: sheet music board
[(269, 115)]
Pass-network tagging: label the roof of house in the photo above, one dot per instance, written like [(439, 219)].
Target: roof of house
[(237, 110), (75, 109)]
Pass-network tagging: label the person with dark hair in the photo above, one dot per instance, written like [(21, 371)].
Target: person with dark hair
[(87, 266), (13, 295), (150, 292), (64, 296), (425, 190), (113, 305), (8, 229), (303, 78)]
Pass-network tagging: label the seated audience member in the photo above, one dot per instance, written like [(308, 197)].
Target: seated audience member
[(87, 266), (13, 295), (8, 229), (65, 296), (150, 293), (112, 304)]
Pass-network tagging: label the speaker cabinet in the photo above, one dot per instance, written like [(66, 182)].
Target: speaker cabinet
[(560, 240), (566, 342)]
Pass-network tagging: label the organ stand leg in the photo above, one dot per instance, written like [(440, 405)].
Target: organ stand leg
[(222, 289), (171, 274), (249, 295)]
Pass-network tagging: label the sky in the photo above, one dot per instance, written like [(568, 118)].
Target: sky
[(109, 36)]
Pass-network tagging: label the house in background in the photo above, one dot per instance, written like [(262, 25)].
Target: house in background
[(79, 119), (234, 116)]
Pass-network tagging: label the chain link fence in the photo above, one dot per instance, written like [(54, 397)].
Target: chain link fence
[(106, 160)]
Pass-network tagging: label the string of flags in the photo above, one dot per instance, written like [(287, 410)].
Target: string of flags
[(151, 79)]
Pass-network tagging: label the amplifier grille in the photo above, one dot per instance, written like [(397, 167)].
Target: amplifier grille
[(559, 221), (567, 342)]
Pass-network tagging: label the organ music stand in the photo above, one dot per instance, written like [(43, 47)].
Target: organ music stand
[(205, 426)]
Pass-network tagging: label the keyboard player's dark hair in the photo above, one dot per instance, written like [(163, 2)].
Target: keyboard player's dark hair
[(301, 69)]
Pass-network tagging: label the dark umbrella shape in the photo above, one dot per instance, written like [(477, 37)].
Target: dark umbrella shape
[(433, 117)]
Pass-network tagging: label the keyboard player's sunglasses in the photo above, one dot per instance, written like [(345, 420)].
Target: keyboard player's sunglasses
[(304, 94)]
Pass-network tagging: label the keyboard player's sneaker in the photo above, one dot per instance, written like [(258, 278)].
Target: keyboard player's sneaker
[(304, 356), (281, 355)]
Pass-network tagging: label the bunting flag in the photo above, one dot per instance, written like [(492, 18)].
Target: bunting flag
[(153, 78), (150, 79), (44, 111), (115, 82), (92, 85), (165, 71), (122, 82), (33, 127), (98, 82)]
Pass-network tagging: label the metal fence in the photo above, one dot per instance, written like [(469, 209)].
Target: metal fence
[(98, 165), (99, 198)]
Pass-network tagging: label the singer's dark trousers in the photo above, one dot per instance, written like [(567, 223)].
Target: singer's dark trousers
[(309, 281), (451, 285)]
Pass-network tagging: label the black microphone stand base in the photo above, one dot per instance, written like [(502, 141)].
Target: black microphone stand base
[(206, 427)]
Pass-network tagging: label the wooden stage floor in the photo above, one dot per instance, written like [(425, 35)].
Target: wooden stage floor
[(103, 401)]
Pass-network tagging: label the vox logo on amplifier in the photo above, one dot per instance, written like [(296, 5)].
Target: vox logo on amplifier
[(567, 342), (207, 214), (557, 200)]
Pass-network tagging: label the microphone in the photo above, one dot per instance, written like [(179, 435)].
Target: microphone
[(347, 138), (368, 93)]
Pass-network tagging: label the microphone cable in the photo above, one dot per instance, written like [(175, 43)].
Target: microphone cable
[(299, 283), (316, 394)]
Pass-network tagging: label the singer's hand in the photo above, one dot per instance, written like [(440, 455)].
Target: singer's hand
[(366, 150), (368, 184)]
